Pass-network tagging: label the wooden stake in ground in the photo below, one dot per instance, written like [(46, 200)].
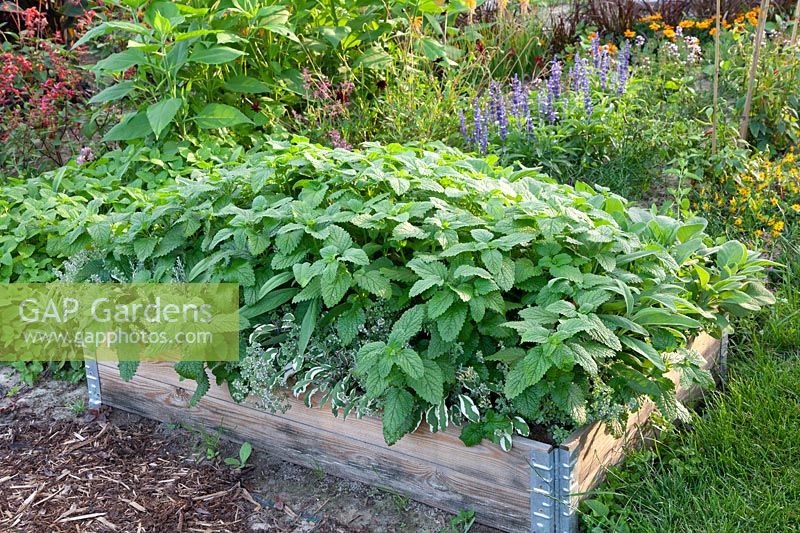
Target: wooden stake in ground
[(796, 22), (715, 110), (751, 81)]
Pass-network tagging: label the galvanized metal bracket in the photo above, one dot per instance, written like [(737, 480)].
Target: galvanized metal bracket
[(93, 383), (543, 502), (566, 517), (552, 501)]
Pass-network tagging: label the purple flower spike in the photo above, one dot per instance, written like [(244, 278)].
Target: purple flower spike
[(517, 97), (623, 67)]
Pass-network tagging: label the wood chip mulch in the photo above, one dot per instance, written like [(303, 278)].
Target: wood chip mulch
[(72, 476)]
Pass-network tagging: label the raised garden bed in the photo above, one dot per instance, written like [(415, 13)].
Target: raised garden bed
[(536, 486)]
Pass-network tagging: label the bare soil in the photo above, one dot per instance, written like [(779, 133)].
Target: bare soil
[(62, 469)]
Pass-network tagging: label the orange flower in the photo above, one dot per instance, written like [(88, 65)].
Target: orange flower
[(685, 24), (653, 26), (629, 34), (712, 31), (592, 36)]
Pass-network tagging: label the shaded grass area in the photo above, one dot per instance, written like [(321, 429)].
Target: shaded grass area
[(737, 468)]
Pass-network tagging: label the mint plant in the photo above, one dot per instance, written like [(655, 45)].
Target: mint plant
[(511, 300)]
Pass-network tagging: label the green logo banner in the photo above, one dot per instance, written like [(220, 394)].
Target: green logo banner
[(119, 321)]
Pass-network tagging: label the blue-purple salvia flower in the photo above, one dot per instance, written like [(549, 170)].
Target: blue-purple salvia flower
[(501, 116), (596, 51), (623, 67), (604, 65), (554, 82), (462, 122), (516, 96), (583, 85), (526, 110), (480, 132), (551, 113)]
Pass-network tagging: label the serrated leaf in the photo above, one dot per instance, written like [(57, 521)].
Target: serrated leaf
[(601, 333), (144, 247), (407, 230), (348, 324), (432, 269), (583, 358), (493, 260), (589, 301), (407, 326), (430, 385), (171, 241), (422, 285), (398, 407), (439, 303), (356, 256), (410, 362), (526, 373), (568, 272), (451, 322), (505, 275), (374, 282), (334, 284)]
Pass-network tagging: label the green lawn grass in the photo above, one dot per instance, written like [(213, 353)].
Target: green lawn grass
[(737, 467)]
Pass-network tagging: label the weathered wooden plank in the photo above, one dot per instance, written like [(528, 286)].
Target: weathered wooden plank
[(516, 491), (436, 469)]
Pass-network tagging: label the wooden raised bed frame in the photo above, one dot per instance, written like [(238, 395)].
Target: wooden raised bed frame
[(534, 487)]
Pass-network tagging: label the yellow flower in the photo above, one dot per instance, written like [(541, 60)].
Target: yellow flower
[(654, 26), (733, 201), (685, 24), (796, 208), (738, 221), (759, 233), (629, 34), (704, 24), (669, 34), (651, 18), (712, 31), (773, 201)]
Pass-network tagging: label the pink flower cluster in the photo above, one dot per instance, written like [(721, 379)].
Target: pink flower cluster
[(38, 83), (334, 99)]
